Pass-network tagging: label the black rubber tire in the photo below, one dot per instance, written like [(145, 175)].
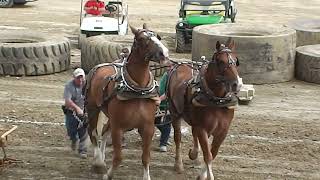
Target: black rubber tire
[(307, 67), (6, 4), (180, 42), (107, 48), (266, 52), (81, 40), (232, 15), (308, 31), (20, 2), (24, 53), (102, 49)]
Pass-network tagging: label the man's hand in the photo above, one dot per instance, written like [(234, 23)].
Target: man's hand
[(163, 97), (71, 105), (79, 111)]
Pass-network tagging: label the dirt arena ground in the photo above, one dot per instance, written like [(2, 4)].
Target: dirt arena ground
[(276, 136)]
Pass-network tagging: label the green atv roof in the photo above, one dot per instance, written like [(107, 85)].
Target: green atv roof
[(204, 19)]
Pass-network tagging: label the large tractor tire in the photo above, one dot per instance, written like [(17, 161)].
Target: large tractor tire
[(107, 48), (81, 40), (102, 49), (308, 31), (180, 42), (24, 53), (6, 3), (308, 63), (20, 2), (266, 53)]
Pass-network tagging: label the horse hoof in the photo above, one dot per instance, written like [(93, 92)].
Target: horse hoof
[(193, 154), (179, 168), (202, 178), (106, 177), (99, 169)]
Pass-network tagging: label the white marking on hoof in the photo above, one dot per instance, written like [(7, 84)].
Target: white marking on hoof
[(109, 173), (97, 160), (106, 177), (206, 172), (146, 174)]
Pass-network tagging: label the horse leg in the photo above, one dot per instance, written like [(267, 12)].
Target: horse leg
[(216, 143), (93, 116), (104, 143), (206, 172), (103, 130), (193, 153), (116, 135), (176, 123), (147, 135)]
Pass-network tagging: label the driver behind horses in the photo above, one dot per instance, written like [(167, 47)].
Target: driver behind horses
[(163, 123), (95, 7), (73, 109)]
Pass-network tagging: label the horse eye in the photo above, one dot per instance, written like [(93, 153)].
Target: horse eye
[(159, 37)]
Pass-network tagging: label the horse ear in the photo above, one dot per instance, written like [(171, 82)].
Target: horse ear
[(218, 45), (231, 45), (228, 42), (133, 30), (144, 26)]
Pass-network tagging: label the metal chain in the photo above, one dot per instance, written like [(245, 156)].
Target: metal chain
[(80, 125)]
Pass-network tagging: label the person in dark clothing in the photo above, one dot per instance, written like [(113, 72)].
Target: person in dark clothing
[(164, 125)]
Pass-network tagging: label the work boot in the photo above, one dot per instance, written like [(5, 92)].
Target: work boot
[(73, 145)]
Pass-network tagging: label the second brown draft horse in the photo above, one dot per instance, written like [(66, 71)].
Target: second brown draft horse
[(205, 102)]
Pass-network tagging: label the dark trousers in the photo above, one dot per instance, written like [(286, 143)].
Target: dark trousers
[(76, 133), (165, 129)]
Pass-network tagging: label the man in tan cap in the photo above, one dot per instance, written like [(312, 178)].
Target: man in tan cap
[(74, 105)]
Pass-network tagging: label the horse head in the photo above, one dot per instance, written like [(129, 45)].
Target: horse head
[(148, 47), (222, 69)]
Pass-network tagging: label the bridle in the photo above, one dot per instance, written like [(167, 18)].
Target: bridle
[(149, 34), (220, 78)]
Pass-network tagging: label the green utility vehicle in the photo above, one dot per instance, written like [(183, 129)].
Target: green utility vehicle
[(193, 13)]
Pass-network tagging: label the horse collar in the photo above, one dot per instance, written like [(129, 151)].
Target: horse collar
[(128, 83)]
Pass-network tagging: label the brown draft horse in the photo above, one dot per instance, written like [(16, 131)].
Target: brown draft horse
[(124, 114), (211, 113)]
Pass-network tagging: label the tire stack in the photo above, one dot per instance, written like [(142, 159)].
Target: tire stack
[(266, 52), (307, 66), (107, 48), (25, 53), (102, 49)]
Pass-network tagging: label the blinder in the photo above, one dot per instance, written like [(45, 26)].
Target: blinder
[(220, 64), (222, 67)]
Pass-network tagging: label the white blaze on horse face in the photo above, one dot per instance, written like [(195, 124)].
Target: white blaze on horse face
[(159, 43)]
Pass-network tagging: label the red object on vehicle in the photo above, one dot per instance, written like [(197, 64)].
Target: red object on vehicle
[(96, 5)]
